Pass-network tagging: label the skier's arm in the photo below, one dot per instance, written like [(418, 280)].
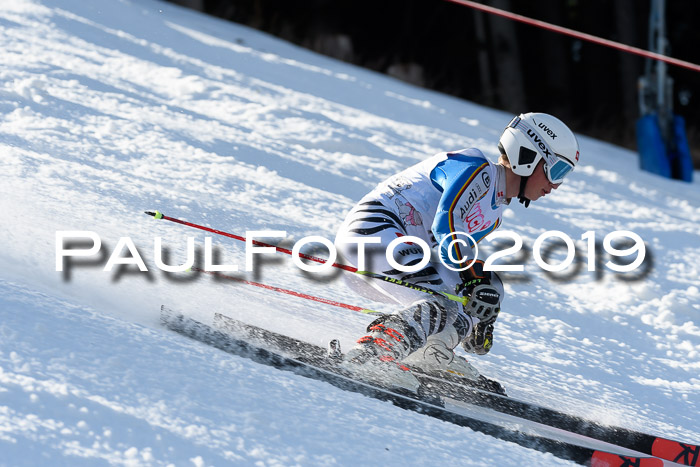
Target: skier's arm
[(453, 208)]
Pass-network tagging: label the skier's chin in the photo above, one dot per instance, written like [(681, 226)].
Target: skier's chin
[(535, 196)]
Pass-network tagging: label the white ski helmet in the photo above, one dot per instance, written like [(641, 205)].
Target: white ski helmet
[(533, 136)]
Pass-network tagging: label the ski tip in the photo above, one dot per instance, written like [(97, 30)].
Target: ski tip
[(608, 459)]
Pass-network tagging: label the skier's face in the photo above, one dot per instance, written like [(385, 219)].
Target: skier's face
[(538, 185)]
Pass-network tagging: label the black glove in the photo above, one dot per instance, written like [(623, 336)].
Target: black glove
[(480, 340), (485, 291)]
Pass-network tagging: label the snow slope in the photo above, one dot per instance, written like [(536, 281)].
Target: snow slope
[(109, 108)]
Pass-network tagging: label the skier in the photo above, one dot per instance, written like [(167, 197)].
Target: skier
[(438, 201)]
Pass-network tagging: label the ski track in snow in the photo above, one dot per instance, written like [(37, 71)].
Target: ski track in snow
[(109, 108)]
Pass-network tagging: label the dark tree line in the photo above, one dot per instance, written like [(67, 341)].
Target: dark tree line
[(495, 61)]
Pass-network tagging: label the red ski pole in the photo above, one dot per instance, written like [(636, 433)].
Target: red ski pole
[(374, 275), (291, 292), (160, 215)]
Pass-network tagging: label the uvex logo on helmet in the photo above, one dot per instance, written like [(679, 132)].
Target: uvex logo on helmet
[(538, 141), (546, 129)]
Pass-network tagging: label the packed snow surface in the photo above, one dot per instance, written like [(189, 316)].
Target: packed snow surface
[(109, 108)]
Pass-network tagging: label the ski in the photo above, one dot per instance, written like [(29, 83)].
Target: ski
[(676, 451), (485, 393), (317, 366), (314, 354)]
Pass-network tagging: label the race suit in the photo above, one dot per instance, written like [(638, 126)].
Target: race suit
[(450, 192)]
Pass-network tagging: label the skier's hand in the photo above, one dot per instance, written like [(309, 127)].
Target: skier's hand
[(484, 290), (480, 340)]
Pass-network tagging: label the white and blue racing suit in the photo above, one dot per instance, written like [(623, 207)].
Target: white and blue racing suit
[(450, 192)]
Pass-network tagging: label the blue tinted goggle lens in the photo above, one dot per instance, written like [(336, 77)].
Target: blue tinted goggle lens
[(558, 171)]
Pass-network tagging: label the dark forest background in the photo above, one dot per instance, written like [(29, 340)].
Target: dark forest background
[(495, 61)]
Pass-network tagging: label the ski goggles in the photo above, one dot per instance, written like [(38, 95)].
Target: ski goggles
[(558, 171)]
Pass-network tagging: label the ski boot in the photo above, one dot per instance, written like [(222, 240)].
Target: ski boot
[(378, 356), (437, 358)]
